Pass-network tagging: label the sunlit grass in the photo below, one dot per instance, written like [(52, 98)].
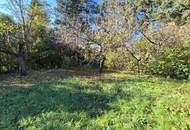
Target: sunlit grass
[(111, 101)]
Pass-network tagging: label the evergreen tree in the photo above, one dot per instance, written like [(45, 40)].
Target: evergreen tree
[(177, 11), (37, 12), (39, 24)]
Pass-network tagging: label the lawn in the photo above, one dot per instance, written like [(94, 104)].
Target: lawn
[(67, 100)]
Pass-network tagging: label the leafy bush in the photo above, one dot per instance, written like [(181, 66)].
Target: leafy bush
[(116, 60), (172, 63), (7, 63), (49, 56)]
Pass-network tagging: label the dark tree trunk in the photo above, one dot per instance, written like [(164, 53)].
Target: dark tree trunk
[(22, 60), (101, 65), (102, 60), (22, 65), (138, 65)]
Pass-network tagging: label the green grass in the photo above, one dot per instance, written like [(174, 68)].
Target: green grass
[(109, 102)]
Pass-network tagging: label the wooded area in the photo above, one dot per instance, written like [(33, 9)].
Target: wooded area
[(146, 36), (95, 64)]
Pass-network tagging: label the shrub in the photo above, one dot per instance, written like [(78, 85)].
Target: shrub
[(172, 63)]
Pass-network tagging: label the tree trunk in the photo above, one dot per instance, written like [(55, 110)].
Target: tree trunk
[(138, 66), (101, 65), (22, 65), (22, 60), (101, 59)]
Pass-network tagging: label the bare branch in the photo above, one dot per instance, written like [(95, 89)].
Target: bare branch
[(148, 39)]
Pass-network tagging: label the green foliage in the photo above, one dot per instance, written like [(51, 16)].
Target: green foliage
[(7, 32), (177, 11), (7, 63), (112, 60), (37, 11), (120, 60), (48, 56), (109, 44), (39, 24), (173, 63), (19, 38), (119, 101)]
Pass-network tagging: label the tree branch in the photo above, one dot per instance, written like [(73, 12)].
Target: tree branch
[(132, 54), (148, 39)]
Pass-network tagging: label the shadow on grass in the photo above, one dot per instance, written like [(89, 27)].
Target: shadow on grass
[(51, 96), (66, 96)]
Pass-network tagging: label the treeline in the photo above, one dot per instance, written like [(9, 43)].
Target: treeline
[(150, 37)]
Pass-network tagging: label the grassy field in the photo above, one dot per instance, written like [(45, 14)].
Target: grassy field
[(67, 100)]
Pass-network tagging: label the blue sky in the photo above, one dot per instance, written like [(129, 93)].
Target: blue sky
[(4, 10), (51, 2)]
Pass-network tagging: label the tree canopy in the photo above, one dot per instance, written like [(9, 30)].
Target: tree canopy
[(142, 36)]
